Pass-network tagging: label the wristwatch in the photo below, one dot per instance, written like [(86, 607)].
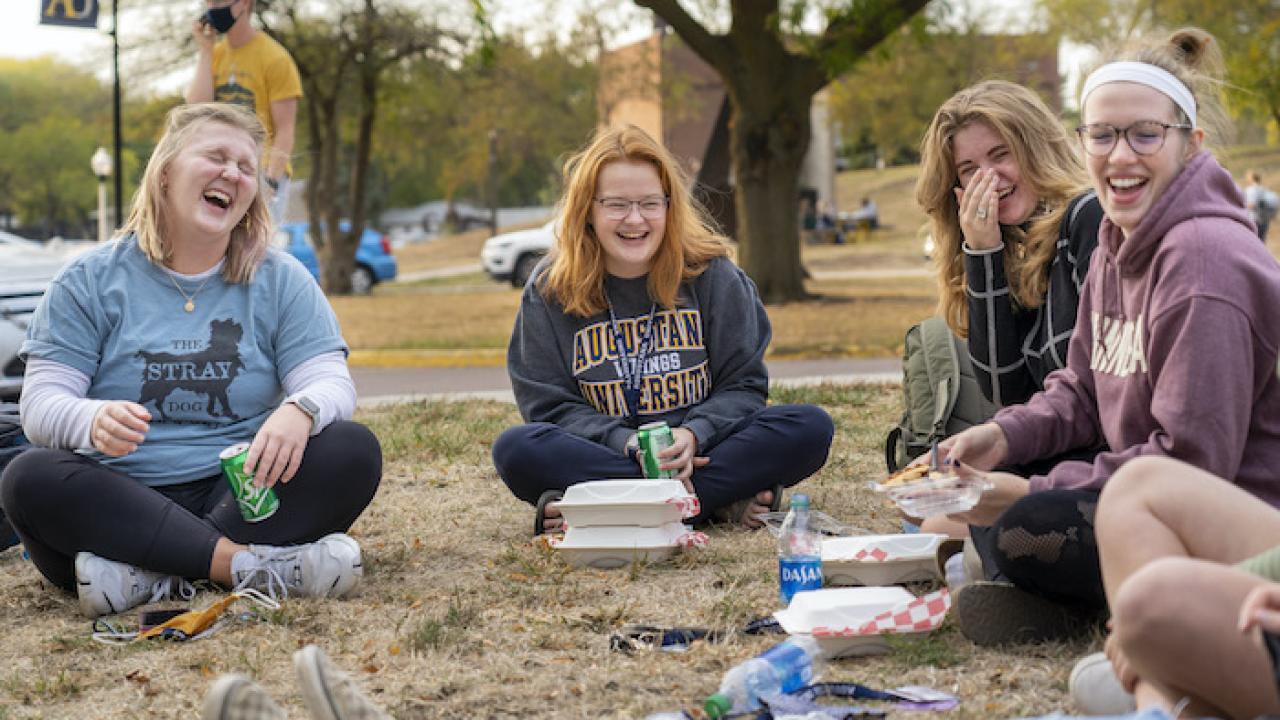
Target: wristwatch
[(632, 448), (306, 405)]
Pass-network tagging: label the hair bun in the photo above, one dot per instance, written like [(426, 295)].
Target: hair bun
[(1196, 49)]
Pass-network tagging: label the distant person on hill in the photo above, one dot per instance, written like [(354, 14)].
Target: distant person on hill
[(868, 213), (1261, 202), (249, 68), (639, 315), (1177, 356)]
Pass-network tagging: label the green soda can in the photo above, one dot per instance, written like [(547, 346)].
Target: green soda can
[(256, 503), (654, 437)]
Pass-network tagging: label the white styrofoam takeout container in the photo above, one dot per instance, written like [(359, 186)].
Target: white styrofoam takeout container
[(874, 560), (641, 502), (841, 608), (607, 547)]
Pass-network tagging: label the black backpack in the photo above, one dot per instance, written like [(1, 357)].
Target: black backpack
[(940, 393)]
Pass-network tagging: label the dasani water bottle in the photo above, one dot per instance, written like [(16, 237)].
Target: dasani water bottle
[(783, 668), (799, 551)]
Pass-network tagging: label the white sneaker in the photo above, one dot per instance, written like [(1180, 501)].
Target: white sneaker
[(107, 587), (1096, 690), (329, 693), (328, 567), (236, 697)]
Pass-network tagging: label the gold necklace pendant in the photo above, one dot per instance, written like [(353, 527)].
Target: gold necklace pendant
[(190, 305)]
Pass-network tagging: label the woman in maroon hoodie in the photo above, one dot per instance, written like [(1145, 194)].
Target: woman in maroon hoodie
[(1173, 354)]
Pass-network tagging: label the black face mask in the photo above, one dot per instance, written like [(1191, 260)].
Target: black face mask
[(220, 19)]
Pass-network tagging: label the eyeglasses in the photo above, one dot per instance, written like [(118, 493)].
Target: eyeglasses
[(1146, 137), (651, 207)]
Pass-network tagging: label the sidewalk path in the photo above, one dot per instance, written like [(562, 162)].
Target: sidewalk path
[(377, 386), (444, 272), (861, 274)]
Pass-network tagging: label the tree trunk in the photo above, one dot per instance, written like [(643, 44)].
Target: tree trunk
[(768, 139)]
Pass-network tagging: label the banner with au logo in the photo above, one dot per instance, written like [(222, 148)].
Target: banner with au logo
[(70, 13)]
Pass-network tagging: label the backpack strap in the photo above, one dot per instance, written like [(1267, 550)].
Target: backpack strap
[(944, 372), (891, 443)]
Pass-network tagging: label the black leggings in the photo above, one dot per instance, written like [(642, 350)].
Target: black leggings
[(780, 445), (61, 503), (1044, 543)]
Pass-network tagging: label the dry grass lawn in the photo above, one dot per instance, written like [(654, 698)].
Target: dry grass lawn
[(461, 615)]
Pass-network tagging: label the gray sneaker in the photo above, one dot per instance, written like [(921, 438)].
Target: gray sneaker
[(107, 587), (1096, 690), (999, 613), (328, 567), (236, 697), (329, 693)]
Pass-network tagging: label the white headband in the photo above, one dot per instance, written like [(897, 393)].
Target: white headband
[(1143, 74)]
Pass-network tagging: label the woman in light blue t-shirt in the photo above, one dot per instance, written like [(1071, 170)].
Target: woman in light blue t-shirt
[(186, 335)]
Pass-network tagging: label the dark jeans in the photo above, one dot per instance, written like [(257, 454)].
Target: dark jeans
[(61, 503), (780, 445), (1045, 544)]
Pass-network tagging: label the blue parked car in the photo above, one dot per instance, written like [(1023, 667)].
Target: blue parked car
[(374, 261)]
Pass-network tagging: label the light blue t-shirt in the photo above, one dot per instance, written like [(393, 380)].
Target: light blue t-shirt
[(209, 377)]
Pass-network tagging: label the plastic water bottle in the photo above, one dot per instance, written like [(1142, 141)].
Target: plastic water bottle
[(783, 668), (799, 551)]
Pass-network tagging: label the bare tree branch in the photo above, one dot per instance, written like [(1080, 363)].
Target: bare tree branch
[(714, 49)]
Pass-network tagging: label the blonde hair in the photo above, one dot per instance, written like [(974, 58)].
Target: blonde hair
[(575, 276), (1055, 175), (1191, 55), (249, 238)]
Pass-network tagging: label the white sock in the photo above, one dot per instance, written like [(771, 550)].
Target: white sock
[(241, 563), (955, 572)]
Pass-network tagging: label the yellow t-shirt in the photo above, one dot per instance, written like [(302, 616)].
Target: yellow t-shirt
[(255, 75)]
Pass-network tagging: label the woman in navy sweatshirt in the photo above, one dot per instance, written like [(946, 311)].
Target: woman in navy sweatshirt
[(638, 315)]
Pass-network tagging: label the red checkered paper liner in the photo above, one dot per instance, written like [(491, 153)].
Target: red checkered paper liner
[(689, 505), (871, 554), (917, 615), (693, 539)]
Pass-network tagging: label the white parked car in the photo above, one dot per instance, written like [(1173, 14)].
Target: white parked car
[(511, 257), (26, 269)]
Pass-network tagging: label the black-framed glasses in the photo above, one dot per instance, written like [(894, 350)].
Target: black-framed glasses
[(651, 207), (1145, 137)]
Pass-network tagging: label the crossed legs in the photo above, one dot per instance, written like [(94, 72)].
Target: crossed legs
[(1167, 535)]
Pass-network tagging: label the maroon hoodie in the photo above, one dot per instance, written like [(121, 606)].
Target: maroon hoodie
[(1175, 349)]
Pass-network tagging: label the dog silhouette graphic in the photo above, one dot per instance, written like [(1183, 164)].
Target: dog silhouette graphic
[(207, 372)]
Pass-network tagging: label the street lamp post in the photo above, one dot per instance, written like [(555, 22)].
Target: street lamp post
[(101, 164)]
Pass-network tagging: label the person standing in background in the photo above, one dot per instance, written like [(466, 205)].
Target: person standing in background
[(251, 69), (1261, 203)]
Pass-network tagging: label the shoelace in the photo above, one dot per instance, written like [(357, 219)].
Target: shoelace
[(172, 586), (268, 564)]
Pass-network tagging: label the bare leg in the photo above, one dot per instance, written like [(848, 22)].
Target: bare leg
[(943, 525), (1176, 622), (1158, 507), (220, 565)]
